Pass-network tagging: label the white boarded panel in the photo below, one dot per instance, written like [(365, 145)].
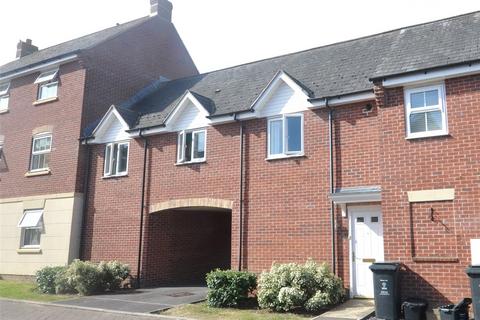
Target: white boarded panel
[(189, 117), (112, 131), (283, 99)]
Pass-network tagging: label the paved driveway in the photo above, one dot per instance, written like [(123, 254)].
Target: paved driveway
[(19, 310), (141, 300)]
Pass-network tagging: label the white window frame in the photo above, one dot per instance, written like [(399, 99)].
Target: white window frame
[(181, 146), (442, 107), (38, 227), (109, 173), (33, 153), (285, 153), (4, 95), (47, 79)]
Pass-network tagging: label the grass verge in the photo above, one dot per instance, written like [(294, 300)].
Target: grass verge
[(201, 311), (26, 291)]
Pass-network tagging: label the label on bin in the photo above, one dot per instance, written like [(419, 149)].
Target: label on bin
[(384, 288)]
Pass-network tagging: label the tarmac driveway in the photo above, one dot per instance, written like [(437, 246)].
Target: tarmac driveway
[(142, 300)]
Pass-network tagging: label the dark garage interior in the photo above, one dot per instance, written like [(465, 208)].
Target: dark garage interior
[(184, 245)]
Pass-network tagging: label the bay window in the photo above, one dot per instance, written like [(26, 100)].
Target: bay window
[(116, 159), (285, 136), (191, 146), (426, 113)]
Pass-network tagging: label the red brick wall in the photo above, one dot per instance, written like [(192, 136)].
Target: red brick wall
[(183, 246), (432, 163), (17, 125)]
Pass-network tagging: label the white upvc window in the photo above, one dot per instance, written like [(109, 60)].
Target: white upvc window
[(285, 136), (31, 225), (4, 96), (116, 159), (191, 146), (48, 85), (41, 148), (426, 111)]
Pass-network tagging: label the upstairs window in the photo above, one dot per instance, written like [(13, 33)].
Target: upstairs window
[(116, 159), (31, 225), (4, 96), (426, 111), (48, 85), (285, 136), (191, 146), (41, 148)]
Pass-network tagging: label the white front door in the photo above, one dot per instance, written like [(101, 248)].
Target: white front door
[(366, 247)]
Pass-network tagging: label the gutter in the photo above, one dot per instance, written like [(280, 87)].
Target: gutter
[(142, 207), (332, 184)]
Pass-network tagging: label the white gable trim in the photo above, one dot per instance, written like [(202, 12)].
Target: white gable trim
[(270, 89), (101, 134), (177, 111)]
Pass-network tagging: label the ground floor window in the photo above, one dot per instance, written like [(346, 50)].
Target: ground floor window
[(31, 226)]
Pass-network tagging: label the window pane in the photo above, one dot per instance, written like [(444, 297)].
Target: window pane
[(199, 147), (434, 120), (431, 98), (108, 153), (417, 100), (40, 161), (122, 165), (4, 103), (31, 237), (294, 131), (188, 146), (180, 147), (417, 122), (48, 90), (42, 144), (276, 136), (114, 159)]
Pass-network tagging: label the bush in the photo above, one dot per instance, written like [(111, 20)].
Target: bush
[(308, 286), (113, 273), (46, 278), (228, 287), (84, 276)]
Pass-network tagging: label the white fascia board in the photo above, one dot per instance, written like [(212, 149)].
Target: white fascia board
[(40, 67), (356, 197), (432, 75), (344, 99)]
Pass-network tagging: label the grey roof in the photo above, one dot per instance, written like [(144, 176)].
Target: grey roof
[(69, 47), (327, 71)]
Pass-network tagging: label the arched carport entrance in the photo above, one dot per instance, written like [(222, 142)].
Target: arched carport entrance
[(185, 239)]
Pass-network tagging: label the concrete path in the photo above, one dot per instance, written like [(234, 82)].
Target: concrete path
[(20, 310), (141, 300), (354, 309)]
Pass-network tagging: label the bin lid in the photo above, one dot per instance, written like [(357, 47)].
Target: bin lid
[(415, 303), (385, 266), (473, 270)]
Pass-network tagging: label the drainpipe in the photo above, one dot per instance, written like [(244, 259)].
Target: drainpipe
[(332, 186), (142, 206), (240, 215), (86, 181)]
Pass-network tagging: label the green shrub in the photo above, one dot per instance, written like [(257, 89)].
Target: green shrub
[(228, 287), (63, 285), (291, 286), (84, 276), (46, 277), (113, 273)]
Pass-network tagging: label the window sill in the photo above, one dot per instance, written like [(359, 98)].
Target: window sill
[(436, 135), (38, 173), (285, 156), (190, 162), (38, 102), (29, 250), (115, 176), (4, 111)]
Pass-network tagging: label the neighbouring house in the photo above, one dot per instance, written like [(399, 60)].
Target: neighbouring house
[(360, 151), (46, 97)]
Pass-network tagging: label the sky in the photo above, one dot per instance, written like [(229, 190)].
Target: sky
[(223, 33)]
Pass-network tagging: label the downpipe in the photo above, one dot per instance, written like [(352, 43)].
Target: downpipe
[(142, 207), (332, 186)]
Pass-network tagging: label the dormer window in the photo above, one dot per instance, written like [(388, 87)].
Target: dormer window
[(4, 96), (48, 85)]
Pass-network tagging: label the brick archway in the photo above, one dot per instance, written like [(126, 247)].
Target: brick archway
[(191, 203)]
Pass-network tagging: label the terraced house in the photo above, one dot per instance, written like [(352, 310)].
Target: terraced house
[(46, 98), (355, 152), (351, 153)]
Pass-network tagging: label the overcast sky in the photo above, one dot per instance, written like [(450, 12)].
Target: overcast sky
[(223, 33)]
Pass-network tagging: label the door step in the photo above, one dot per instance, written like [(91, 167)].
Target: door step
[(353, 309)]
